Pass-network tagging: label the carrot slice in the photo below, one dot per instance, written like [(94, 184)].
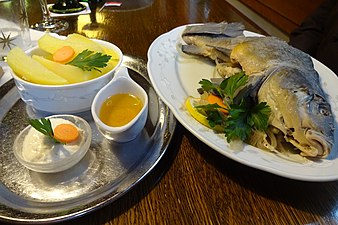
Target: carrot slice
[(66, 133), (64, 54), (212, 99)]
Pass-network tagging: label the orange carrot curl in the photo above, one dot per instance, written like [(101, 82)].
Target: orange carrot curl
[(212, 99)]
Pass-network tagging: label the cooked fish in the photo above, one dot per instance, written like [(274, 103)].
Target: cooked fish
[(301, 119)]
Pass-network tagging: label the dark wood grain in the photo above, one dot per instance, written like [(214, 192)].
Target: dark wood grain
[(193, 184), (286, 14)]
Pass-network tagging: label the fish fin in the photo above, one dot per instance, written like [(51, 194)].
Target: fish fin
[(225, 51), (222, 29), (193, 50), (206, 51)]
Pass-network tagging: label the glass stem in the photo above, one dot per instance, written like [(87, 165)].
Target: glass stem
[(45, 12)]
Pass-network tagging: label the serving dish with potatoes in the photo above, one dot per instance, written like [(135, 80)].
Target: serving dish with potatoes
[(42, 67), (59, 87)]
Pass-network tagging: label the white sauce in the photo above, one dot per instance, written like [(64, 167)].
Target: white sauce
[(39, 148)]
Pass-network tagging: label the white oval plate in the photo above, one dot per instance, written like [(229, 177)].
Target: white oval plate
[(175, 77)]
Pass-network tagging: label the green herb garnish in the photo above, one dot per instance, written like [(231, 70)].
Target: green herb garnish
[(242, 118), (44, 126), (228, 87), (88, 60)]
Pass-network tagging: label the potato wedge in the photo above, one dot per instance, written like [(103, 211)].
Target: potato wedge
[(31, 70), (78, 39), (71, 73), (51, 44)]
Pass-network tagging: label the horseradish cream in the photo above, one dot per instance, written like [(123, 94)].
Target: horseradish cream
[(39, 148)]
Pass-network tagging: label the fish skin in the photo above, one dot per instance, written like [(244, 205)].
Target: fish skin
[(280, 75), (296, 98)]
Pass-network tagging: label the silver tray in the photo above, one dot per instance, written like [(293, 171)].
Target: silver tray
[(106, 172)]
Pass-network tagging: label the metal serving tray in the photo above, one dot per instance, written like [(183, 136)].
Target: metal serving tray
[(106, 172)]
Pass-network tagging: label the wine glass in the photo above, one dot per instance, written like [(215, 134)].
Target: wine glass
[(48, 23)]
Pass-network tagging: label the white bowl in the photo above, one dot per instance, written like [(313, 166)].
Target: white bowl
[(121, 83), (54, 160), (71, 98)]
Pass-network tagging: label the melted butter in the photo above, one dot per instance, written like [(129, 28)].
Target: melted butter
[(120, 109)]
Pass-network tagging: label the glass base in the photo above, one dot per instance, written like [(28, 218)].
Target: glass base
[(67, 7), (53, 26)]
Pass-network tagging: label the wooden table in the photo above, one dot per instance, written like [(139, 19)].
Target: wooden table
[(193, 184)]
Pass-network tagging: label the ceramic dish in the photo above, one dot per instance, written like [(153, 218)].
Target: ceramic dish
[(69, 98), (54, 159), (175, 78), (121, 84)]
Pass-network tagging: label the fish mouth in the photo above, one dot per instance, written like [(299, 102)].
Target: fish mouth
[(318, 141), (313, 145), (317, 144)]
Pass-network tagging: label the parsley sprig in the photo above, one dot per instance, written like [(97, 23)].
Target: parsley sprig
[(88, 60), (242, 118), (44, 126), (227, 88)]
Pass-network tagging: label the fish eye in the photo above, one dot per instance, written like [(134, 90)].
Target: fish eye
[(323, 109), (323, 105), (300, 89)]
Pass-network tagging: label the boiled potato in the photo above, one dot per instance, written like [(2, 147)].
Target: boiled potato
[(79, 39), (51, 44), (40, 68), (31, 70), (112, 53), (71, 73)]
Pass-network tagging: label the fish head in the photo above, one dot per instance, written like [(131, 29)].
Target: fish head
[(300, 110)]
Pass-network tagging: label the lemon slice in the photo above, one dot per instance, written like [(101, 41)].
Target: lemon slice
[(189, 105), (194, 112)]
